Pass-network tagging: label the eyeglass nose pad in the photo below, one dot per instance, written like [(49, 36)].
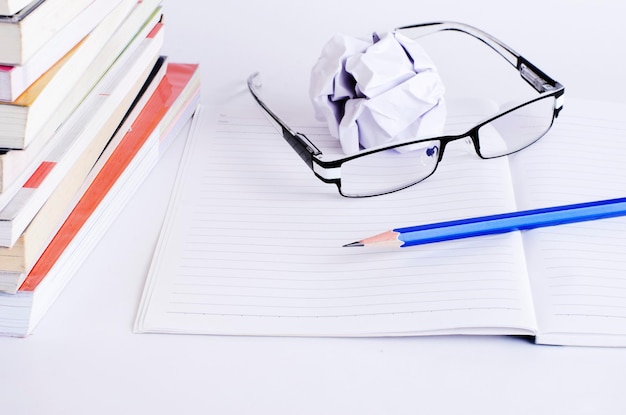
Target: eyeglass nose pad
[(429, 156), (469, 144)]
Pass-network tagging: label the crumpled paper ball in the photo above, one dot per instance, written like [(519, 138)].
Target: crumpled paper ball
[(377, 91)]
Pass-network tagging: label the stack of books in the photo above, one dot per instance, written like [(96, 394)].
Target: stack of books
[(87, 104)]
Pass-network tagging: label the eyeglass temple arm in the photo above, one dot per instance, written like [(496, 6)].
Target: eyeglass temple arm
[(298, 141), (533, 75)]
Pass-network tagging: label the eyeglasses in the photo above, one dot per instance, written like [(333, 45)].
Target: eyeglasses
[(384, 169)]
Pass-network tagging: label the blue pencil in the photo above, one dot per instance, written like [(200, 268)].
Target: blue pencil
[(493, 224)]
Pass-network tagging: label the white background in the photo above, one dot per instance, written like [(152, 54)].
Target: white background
[(84, 359)]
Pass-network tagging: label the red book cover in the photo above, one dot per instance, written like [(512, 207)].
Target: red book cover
[(174, 82)]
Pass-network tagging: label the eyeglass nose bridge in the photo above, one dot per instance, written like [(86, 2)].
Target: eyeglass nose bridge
[(472, 140)]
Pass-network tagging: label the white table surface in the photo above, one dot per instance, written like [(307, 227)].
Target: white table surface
[(83, 358)]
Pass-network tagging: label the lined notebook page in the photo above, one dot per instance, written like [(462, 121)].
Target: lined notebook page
[(578, 271), (252, 245)]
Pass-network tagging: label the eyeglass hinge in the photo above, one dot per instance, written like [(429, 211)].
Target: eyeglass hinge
[(311, 148), (537, 81)]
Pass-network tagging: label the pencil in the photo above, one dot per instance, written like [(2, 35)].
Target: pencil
[(494, 224)]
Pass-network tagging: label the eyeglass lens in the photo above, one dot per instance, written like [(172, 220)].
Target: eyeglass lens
[(517, 129), (391, 170), (388, 171)]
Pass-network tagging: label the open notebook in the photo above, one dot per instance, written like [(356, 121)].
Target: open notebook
[(252, 242)]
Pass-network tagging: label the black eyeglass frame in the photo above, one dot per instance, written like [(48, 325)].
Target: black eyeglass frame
[(329, 171)]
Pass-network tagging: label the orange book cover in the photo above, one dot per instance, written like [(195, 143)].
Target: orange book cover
[(174, 82)]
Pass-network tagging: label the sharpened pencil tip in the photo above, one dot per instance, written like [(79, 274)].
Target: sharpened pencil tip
[(357, 243)]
